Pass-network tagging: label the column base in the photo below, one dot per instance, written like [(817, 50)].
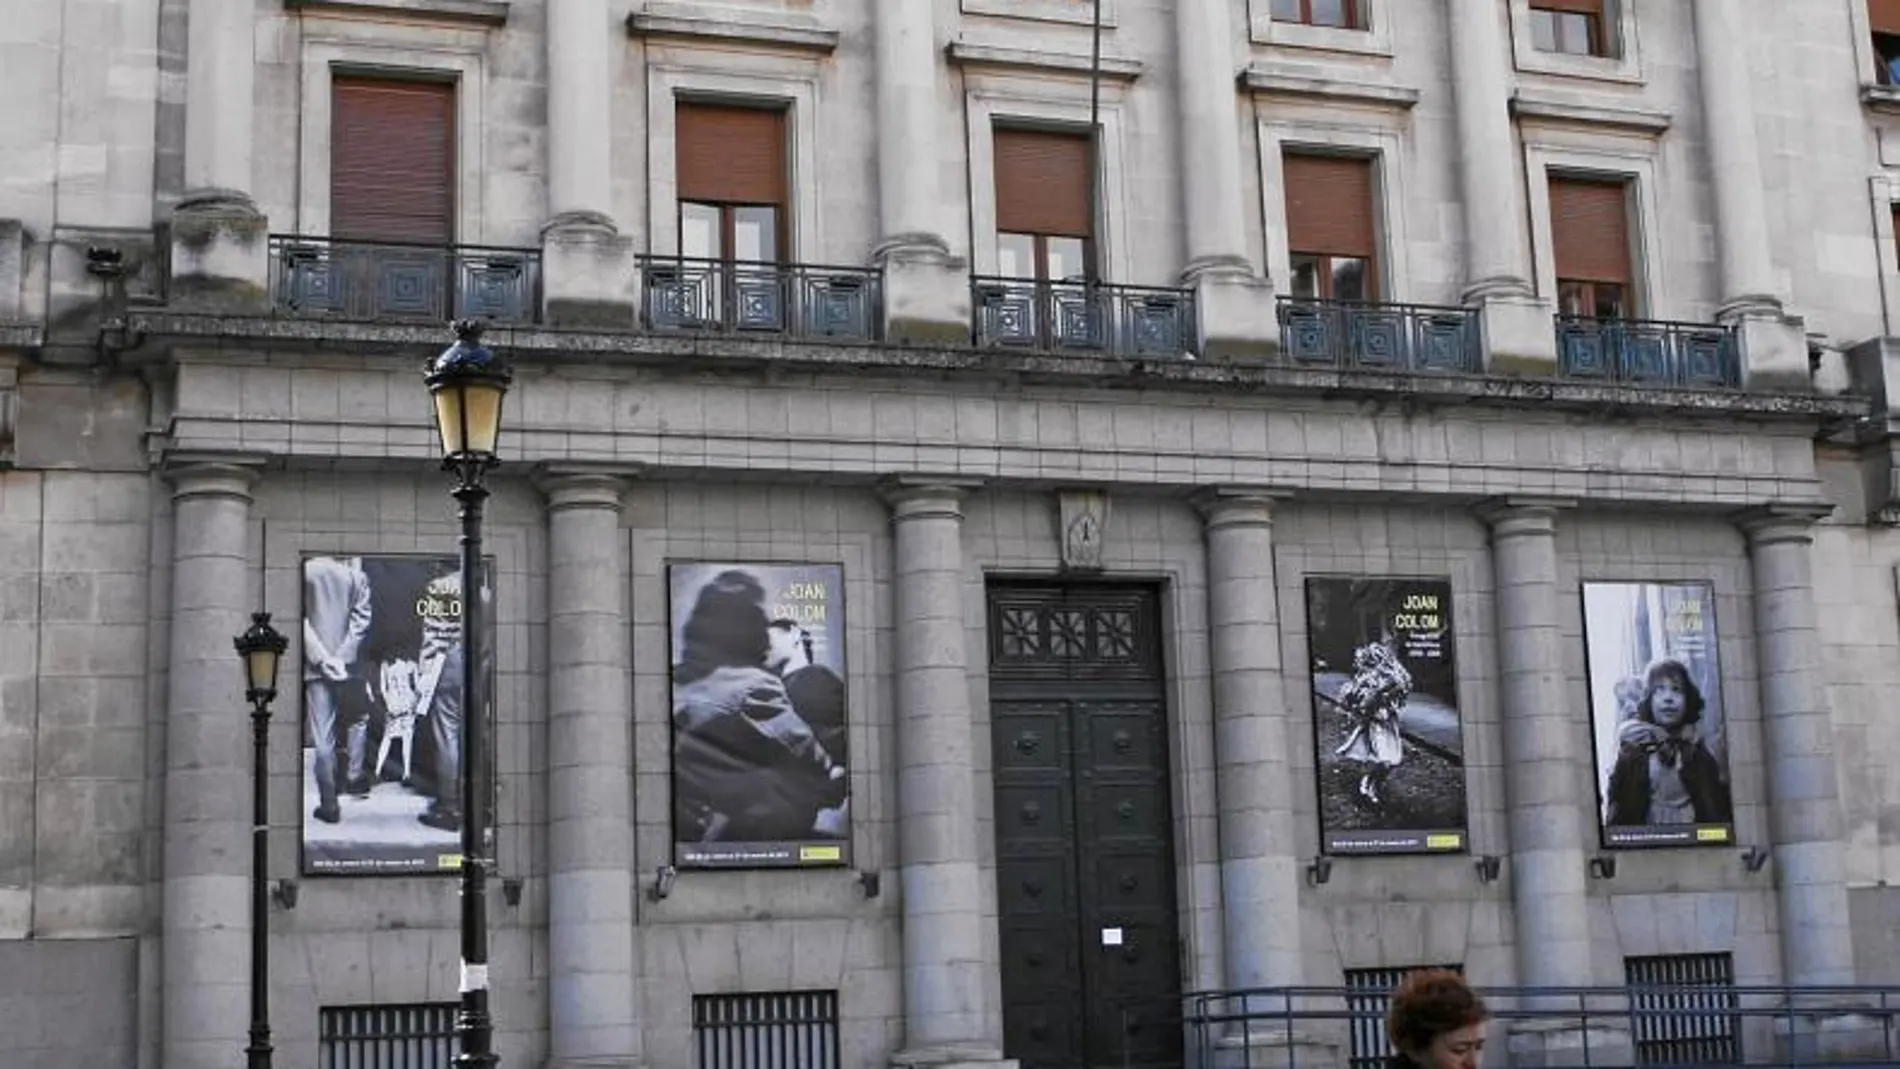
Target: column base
[(588, 277), (1266, 1044), (1840, 1036), (220, 256), (1236, 312), (1774, 352), (1520, 335), (926, 295), (1534, 1044), (951, 1058)]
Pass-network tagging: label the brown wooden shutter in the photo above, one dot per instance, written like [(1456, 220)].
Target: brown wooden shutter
[(392, 160), (730, 155), (1884, 15), (1590, 230), (1581, 7), (1042, 183), (1329, 206)]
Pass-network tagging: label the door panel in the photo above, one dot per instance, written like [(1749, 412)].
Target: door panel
[(1085, 858)]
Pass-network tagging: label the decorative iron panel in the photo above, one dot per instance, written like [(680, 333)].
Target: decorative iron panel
[(1398, 338), (1085, 317), (772, 1030), (1693, 1024), (1084, 832), (787, 300), (414, 1036), (1368, 1001), (386, 282), (1644, 352)]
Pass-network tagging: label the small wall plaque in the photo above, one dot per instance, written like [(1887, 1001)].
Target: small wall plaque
[(1084, 519)]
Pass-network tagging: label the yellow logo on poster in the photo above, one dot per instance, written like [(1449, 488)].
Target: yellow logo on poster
[(820, 853), (1444, 841), (1711, 835), (448, 861)]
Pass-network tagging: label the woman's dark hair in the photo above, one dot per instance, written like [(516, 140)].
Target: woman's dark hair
[(726, 628), (1428, 1004), (1666, 668)]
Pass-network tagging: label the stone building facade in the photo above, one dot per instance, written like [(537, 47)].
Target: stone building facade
[(189, 408)]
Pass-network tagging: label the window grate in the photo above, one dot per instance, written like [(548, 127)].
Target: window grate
[(417, 1036), (770, 1030), (1368, 1000), (1690, 1027)]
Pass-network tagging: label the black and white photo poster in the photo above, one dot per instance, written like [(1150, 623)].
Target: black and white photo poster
[(383, 713), (1656, 714), (1390, 747), (759, 728)]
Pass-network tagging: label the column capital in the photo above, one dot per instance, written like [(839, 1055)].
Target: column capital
[(1513, 516), (212, 476), (1238, 506), (583, 485), (913, 497), (1767, 525)]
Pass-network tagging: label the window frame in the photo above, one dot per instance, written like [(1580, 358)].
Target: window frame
[(1314, 128), (1058, 107), (1622, 43), (1372, 39), (1597, 41), (1545, 159), (1632, 291), (1355, 16)]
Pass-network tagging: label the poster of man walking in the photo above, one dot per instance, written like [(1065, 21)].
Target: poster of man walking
[(383, 713), (1389, 744), (759, 728)]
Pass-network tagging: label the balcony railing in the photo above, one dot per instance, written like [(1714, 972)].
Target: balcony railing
[(386, 281), (788, 300), (1084, 317), (1354, 335), (1648, 352)]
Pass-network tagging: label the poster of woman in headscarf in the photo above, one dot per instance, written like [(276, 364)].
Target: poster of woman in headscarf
[(760, 749), (1657, 715)]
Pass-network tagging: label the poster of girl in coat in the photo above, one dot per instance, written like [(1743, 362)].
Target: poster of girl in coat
[(1656, 714), (760, 754), (1390, 747)]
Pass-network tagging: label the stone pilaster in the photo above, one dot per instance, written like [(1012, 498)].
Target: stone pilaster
[(220, 242), (206, 920), (593, 994), (1774, 347), (587, 273), (948, 1019), (1549, 818), (1519, 332), (926, 290), (1235, 304)]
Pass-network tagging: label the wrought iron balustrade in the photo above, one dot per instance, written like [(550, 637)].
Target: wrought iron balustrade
[(1648, 352), (1084, 317), (388, 281), (1369, 336), (789, 300), (1674, 1025)]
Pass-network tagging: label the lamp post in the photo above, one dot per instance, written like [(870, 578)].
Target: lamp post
[(261, 649), (467, 383)]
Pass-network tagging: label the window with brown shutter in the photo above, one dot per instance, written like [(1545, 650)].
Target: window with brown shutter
[(1572, 27), (1339, 14), (1331, 232), (732, 173), (1590, 241), (1884, 18), (1044, 225), (392, 160)]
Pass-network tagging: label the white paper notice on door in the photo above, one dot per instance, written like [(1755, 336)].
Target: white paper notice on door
[(1111, 937)]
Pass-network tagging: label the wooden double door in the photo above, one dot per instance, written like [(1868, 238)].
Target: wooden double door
[(1085, 864)]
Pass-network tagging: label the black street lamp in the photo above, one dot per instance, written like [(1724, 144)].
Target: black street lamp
[(261, 649), (467, 383)]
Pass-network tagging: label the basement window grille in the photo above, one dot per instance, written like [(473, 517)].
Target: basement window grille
[(415, 1036), (776, 1030), (1368, 1000), (1687, 1027)]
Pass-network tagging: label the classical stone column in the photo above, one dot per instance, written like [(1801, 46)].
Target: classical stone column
[(1517, 323), (220, 252), (926, 290), (1235, 304), (946, 1019), (1804, 808), (206, 920), (1773, 348), (593, 994), (587, 269)]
